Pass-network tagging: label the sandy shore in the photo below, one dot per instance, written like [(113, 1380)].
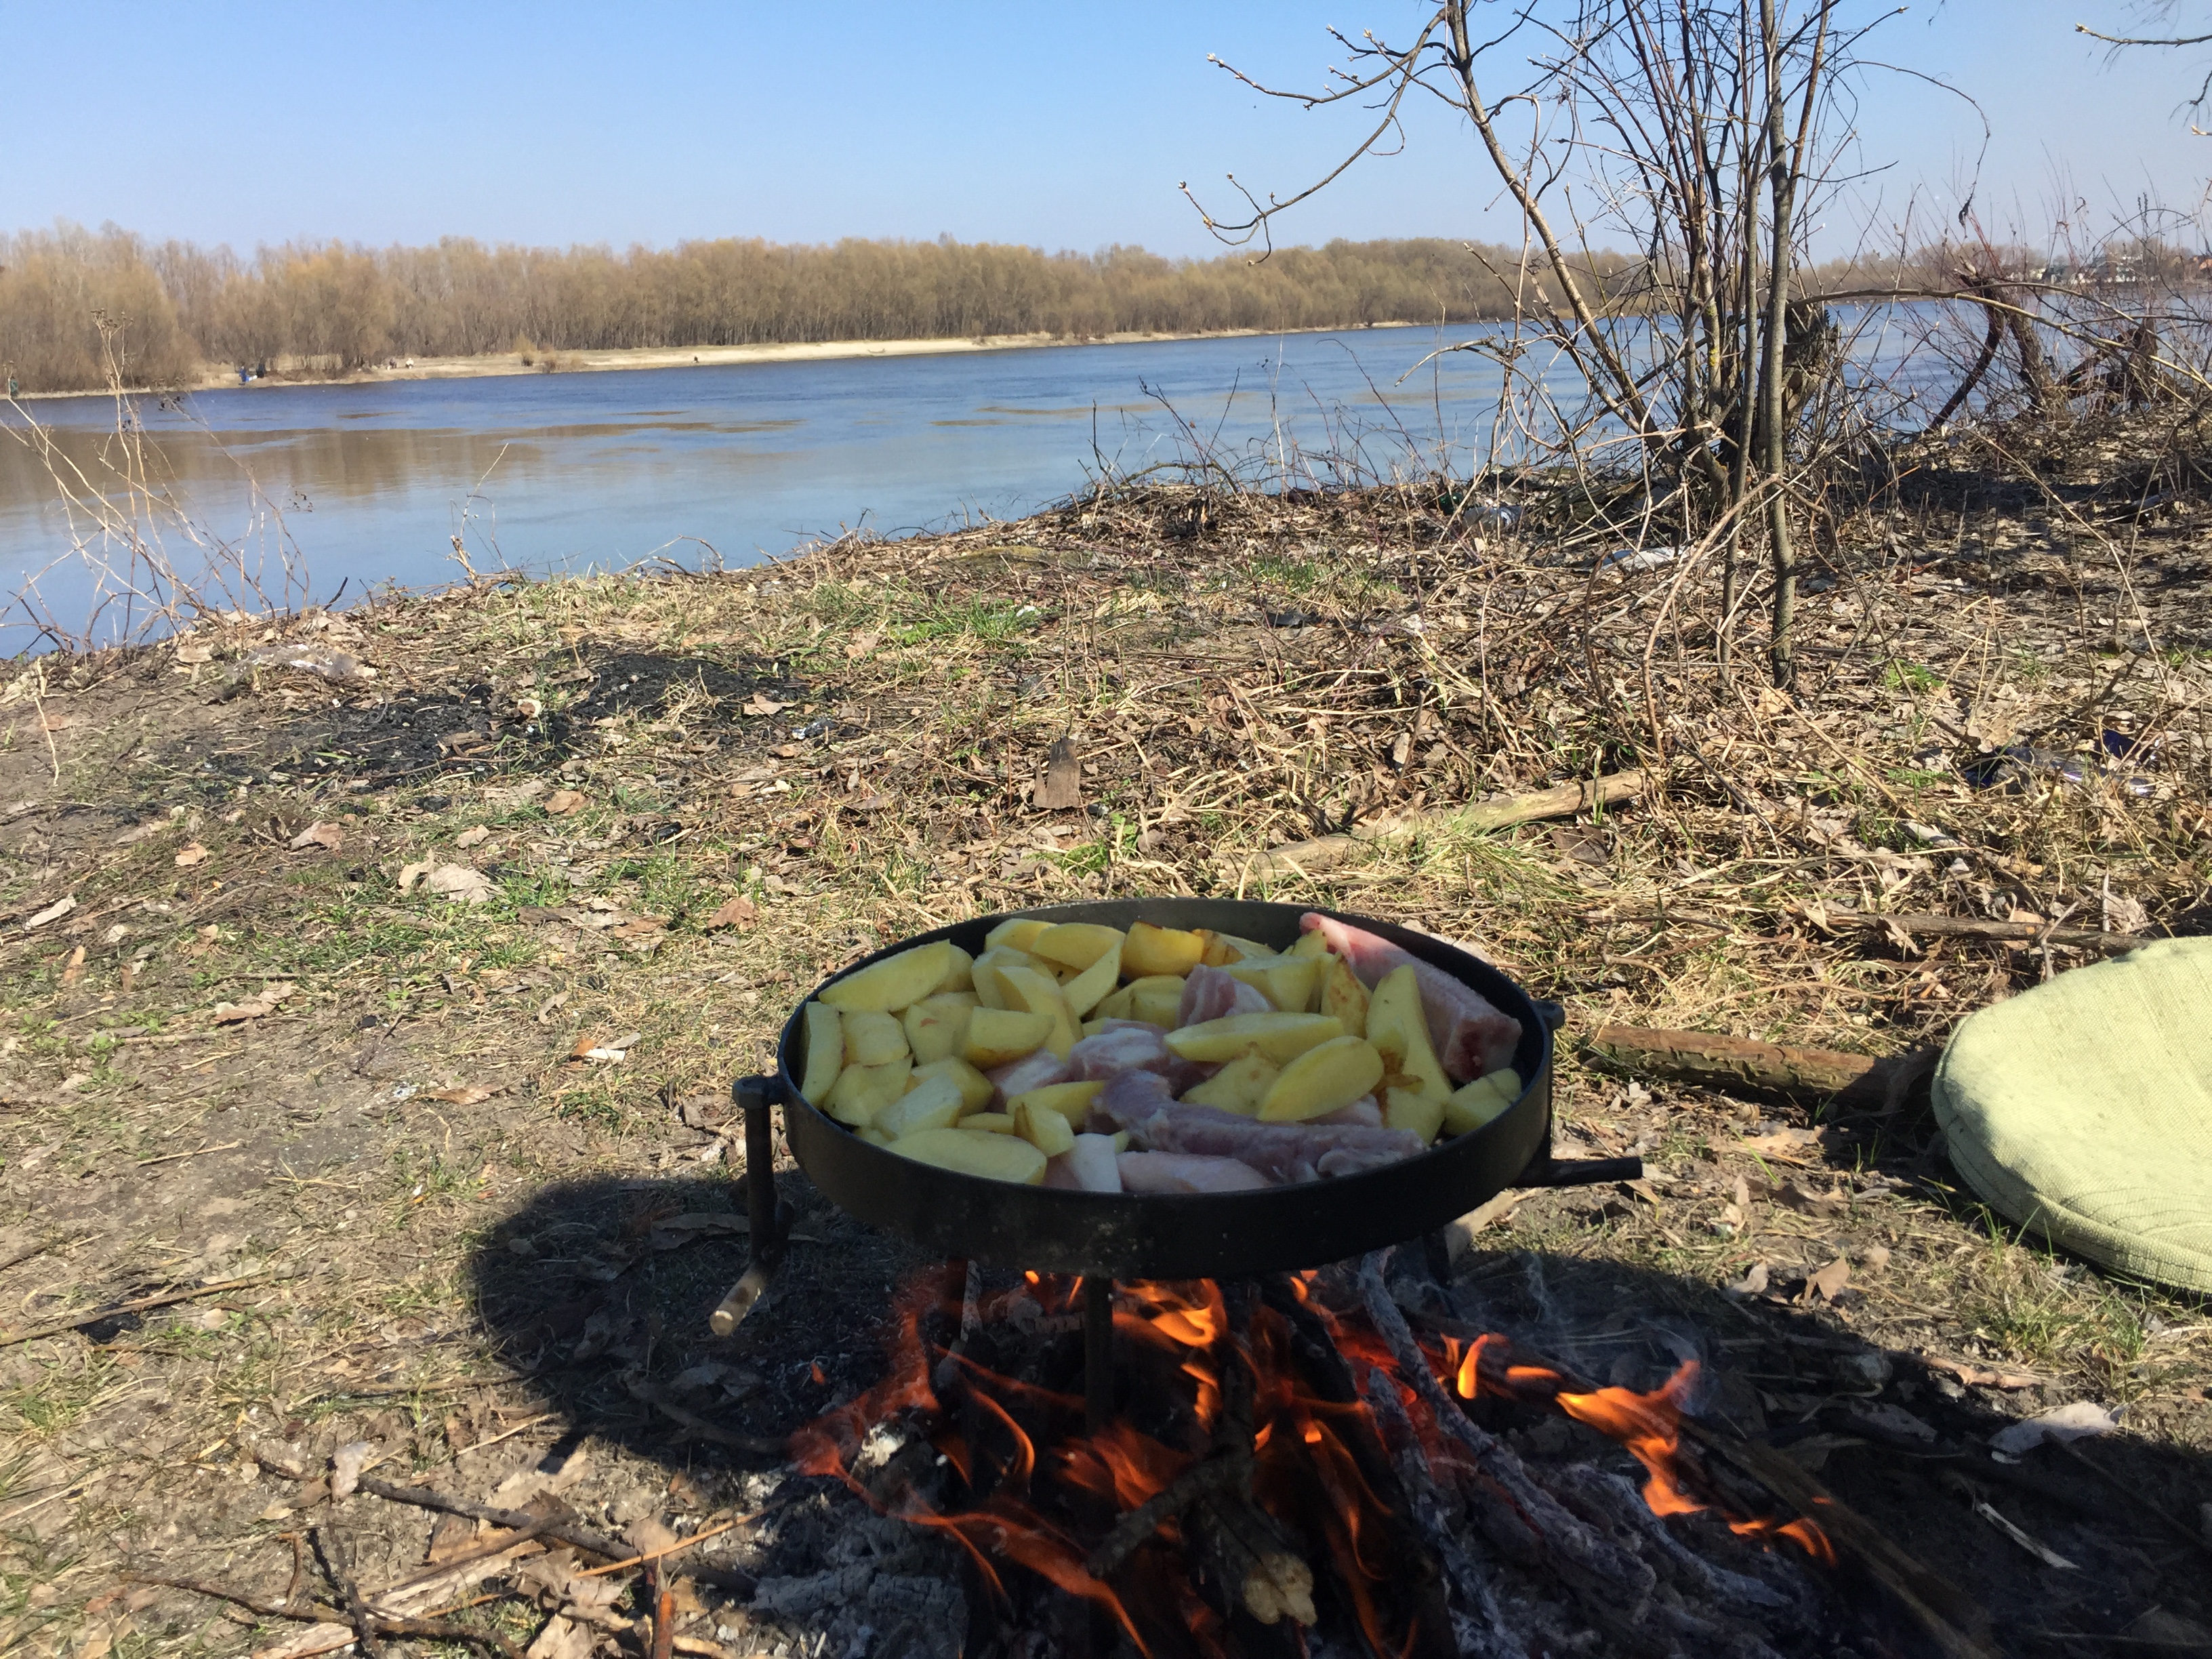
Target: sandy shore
[(508, 362)]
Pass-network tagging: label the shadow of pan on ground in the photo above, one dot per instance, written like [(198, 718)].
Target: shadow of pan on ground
[(599, 1292)]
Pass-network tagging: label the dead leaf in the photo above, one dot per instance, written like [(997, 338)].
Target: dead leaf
[(765, 706), (54, 912), (191, 854), (1789, 1144), (862, 645), (1753, 1283), (740, 912), (233, 1013), (561, 802), (472, 837), (1062, 788), (1899, 938), (411, 873), (328, 836), (473, 1094), (73, 970), (640, 930), (1828, 1283), (552, 1003), (460, 883), (190, 652), (1874, 1257)]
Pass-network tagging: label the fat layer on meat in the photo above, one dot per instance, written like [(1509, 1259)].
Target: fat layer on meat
[(1033, 1071), (1473, 1037), (1184, 1172)]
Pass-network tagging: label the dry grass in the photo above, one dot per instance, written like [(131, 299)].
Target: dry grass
[(1257, 682)]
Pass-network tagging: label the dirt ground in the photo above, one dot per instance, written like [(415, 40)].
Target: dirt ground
[(448, 1139)]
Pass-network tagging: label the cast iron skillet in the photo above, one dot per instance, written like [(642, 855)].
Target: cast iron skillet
[(1209, 1236)]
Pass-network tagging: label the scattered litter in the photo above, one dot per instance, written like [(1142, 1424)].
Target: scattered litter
[(334, 665), (54, 912), (2079, 1420), (189, 855), (1828, 1283), (763, 705), (473, 837), (615, 1049), (328, 836), (458, 881), (2048, 1556), (233, 1013), (563, 802), (1631, 561), (346, 1465)]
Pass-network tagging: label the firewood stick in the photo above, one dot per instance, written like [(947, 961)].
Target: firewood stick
[(1492, 812), (1730, 1062), (1951, 1619)]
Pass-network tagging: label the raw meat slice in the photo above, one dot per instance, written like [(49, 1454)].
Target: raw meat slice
[(1127, 1097), (1211, 993), (1472, 1038), (1123, 1045), (1283, 1151), (1180, 1172), (1018, 1077), (1362, 1111), (1059, 1172)]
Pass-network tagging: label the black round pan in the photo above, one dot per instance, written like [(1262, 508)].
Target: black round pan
[(1196, 1235)]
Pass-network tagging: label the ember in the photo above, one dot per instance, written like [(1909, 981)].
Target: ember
[(1284, 1456)]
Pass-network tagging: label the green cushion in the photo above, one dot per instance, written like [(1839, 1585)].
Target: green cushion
[(2083, 1110)]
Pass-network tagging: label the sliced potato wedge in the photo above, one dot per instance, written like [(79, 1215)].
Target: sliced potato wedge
[(1158, 999), (970, 1152), (1239, 1086), (1016, 930), (996, 1123), (1090, 987), (1315, 944), (825, 1051), (1488, 1097), (872, 1038), (1043, 1129), (1326, 1076), (1396, 1026), (1287, 981), (1114, 1004), (862, 1092), (974, 1088), (895, 983), (1281, 1037), (935, 1104), (936, 1025), (996, 1036), (1038, 992), (1415, 1109), (1149, 951), (1071, 1100), (960, 976), (1343, 995), (1076, 945), (989, 993)]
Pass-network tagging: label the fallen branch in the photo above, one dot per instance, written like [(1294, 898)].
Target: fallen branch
[(1492, 812), (2025, 932), (1726, 1062), (139, 1304)]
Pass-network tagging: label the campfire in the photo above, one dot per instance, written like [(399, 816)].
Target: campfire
[(1291, 1468)]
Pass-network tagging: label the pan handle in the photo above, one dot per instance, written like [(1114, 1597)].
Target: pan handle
[(1581, 1171)]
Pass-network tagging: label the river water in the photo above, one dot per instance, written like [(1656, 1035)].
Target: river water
[(352, 487), (601, 470)]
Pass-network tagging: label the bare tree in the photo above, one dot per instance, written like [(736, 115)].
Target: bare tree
[(1695, 132), (2160, 10)]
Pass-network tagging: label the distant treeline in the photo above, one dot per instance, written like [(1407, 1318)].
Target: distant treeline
[(333, 306)]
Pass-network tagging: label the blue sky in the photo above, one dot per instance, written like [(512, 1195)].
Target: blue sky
[(1059, 125)]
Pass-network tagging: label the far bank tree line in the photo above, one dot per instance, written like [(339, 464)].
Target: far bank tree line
[(334, 307)]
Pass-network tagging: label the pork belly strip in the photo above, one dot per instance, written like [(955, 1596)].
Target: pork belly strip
[(1281, 1151), (1473, 1037), (1211, 993)]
